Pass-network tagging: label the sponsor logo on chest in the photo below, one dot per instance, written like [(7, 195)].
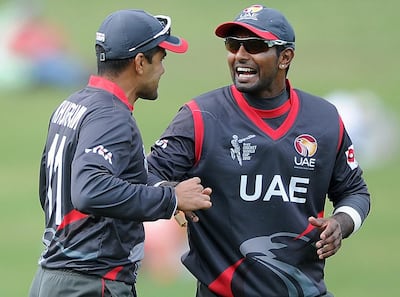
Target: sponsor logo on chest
[(306, 147)]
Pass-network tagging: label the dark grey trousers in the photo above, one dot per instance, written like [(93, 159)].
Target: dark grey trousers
[(203, 291), (66, 283)]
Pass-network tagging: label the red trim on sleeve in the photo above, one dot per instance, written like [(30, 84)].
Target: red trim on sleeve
[(341, 132), (104, 84), (198, 129), (70, 218)]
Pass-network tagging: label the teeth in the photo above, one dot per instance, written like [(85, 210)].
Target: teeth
[(243, 69)]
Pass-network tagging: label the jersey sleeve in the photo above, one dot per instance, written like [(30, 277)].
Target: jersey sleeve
[(109, 172), (172, 155), (348, 190)]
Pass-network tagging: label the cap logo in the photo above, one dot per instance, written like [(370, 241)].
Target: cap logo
[(100, 37), (250, 12)]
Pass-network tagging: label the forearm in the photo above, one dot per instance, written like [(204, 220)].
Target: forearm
[(107, 195)]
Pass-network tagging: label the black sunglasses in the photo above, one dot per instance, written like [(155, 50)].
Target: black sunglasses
[(252, 45)]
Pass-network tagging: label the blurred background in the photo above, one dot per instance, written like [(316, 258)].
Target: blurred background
[(345, 52)]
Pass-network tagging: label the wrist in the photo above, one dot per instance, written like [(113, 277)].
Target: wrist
[(346, 223), (168, 184)]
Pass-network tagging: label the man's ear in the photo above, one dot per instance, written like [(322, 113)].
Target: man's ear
[(286, 56), (139, 62)]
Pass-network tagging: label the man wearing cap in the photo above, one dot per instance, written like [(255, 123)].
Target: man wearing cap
[(93, 171), (271, 154)]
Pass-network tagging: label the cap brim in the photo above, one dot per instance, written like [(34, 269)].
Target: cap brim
[(175, 44), (224, 29)]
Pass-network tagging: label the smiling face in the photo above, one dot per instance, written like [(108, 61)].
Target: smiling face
[(261, 74)]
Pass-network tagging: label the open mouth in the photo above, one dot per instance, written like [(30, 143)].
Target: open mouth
[(245, 71)]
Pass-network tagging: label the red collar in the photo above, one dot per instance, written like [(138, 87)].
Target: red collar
[(107, 85), (276, 112), (293, 109)]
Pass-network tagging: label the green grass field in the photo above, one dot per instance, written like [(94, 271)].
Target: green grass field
[(341, 45)]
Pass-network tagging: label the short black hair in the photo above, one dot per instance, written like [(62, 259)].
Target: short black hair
[(114, 67)]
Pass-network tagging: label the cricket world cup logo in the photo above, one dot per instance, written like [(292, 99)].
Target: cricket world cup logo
[(242, 149)]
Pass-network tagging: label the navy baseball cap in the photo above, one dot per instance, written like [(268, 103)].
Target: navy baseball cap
[(267, 23), (125, 33)]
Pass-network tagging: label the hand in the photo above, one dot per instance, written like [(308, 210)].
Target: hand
[(331, 236), (190, 214), (192, 196)]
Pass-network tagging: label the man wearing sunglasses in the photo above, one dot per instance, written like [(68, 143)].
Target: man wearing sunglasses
[(93, 171), (271, 154)]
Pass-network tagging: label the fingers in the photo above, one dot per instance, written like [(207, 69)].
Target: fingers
[(181, 216), (207, 196), (203, 203), (207, 191), (192, 216), (192, 195), (326, 249), (194, 184), (195, 179), (316, 222), (331, 236)]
